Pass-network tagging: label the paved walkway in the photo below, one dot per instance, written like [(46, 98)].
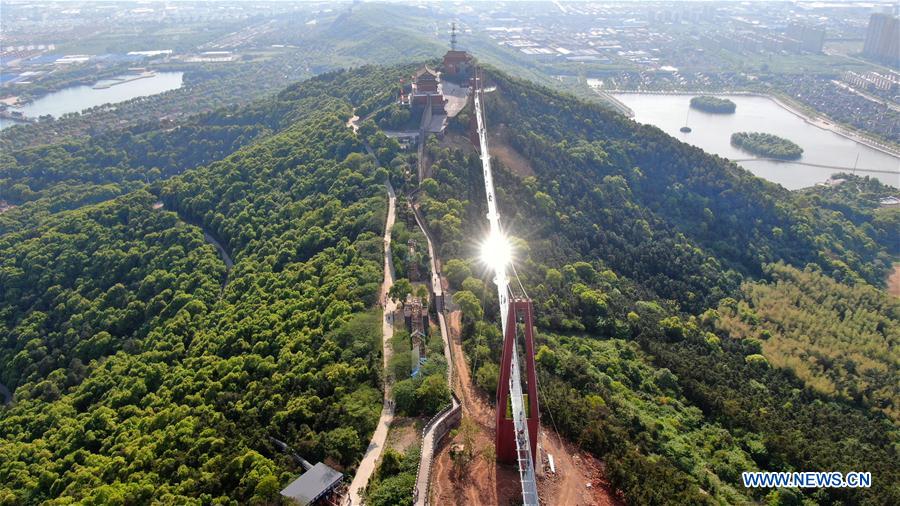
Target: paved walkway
[(436, 286), (430, 438), (373, 452), (457, 96)]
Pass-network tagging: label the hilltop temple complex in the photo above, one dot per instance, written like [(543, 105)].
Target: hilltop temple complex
[(438, 93)]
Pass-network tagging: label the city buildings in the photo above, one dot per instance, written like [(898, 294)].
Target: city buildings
[(883, 39), (805, 38)]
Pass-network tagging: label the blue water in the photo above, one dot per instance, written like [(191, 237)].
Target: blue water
[(712, 133), (79, 98)]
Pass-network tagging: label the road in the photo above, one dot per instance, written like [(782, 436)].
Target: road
[(376, 445), (229, 263), (791, 105)]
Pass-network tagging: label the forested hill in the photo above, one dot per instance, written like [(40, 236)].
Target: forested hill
[(690, 314), (136, 378), (81, 171), (685, 223)]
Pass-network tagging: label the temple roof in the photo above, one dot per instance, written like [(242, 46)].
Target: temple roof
[(426, 71), (457, 55)]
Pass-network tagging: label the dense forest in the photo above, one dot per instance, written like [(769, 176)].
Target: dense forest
[(137, 377), (840, 339), (145, 371), (628, 242)]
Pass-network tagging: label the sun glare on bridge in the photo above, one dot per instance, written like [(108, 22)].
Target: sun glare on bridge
[(496, 252)]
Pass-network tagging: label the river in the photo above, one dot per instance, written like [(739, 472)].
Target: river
[(79, 98), (712, 133)]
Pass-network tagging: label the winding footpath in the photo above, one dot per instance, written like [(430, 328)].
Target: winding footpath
[(376, 445), (229, 263), (209, 238)]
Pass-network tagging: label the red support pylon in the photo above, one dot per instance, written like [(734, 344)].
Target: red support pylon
[(520, 311)]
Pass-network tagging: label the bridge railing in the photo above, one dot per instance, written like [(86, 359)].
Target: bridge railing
[(438, 427)]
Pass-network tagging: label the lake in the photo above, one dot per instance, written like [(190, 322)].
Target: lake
[(79, 98), (712, 133)]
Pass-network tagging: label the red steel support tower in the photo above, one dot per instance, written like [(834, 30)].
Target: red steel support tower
[(520, 311)]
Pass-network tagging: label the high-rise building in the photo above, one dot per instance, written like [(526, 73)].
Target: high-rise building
[(883, 39), (803, 38)]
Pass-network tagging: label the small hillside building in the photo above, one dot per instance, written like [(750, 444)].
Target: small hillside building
[(315, 487)]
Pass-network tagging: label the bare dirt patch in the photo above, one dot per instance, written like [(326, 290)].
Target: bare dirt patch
[(893, 282), (511, 159), (453, 140), (579, 476), (578, 479), (405, 432)]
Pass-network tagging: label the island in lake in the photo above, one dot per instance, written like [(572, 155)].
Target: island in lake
[(766, 145), (716, 105)]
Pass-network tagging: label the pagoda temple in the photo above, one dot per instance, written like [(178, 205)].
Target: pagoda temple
[(457, 63), (426, 88)]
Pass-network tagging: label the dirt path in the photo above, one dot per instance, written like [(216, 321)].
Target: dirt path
[(484, 481), (475, 403)]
